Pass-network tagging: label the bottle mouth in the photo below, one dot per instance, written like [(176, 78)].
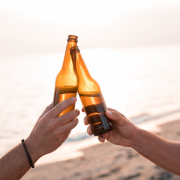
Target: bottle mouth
[(72, 38)]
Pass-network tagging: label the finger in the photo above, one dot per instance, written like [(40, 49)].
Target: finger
[(101, 138), (48, 108), (111, 109), (106, 135), (54, 112), (122, 115), (70, 125), (86, 122), (89, 131), (113, 115), (120, 119), (82, 110), (65, 118)]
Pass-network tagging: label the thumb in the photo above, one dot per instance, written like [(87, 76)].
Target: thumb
[(116, 116), (113, 115)]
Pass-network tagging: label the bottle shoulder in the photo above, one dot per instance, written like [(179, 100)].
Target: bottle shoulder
[(66, 79), (89, 86)]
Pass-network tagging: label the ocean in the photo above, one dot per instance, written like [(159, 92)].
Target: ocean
[(142, 83)]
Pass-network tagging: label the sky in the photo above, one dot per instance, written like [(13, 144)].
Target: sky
[(42, 26)]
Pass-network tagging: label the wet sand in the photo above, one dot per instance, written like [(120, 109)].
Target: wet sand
[(108, 162)]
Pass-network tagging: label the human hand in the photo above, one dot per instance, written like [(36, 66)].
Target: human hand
[(51, 131), (124, 131)]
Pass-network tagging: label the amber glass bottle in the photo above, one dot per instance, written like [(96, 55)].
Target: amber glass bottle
[(66, 80), (92, 99)]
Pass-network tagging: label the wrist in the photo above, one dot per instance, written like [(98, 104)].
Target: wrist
[(136, 137), (32, 150)]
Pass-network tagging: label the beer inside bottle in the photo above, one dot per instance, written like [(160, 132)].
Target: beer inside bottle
[(92, 99), (66, 80)]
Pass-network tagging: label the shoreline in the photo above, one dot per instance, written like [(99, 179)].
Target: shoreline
[(73, 149), (108, 161)]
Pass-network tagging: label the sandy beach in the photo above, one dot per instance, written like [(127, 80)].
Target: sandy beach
[(109, 162)]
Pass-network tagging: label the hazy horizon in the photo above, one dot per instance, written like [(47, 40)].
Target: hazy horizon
[(43, 26)]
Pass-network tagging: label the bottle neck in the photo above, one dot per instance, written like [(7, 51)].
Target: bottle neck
[(67, 57), (81, 69), (87, 86)]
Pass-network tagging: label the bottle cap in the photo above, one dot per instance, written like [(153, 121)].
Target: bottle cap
[(72, 38)]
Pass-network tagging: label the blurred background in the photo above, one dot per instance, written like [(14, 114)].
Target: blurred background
[(132, 49)]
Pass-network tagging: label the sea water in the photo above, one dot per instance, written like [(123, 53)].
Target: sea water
[(142, 83)]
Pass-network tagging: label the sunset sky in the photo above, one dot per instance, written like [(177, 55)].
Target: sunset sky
[(43, 25)]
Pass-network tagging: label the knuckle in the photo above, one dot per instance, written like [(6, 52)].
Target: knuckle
[(70, 115), (44, 120), (56, 136), (116, 115), (72, 124), (122, 115), (52, 126), (73, 114), (59, 131), (59, 107), (67, 117), (76, 112), (67, 102)]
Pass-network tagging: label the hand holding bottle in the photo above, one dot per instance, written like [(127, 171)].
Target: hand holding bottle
[(48, 134), (50, 130), (124, 131)]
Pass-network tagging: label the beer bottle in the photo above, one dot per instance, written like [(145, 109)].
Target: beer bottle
[(66, 80), (92, 99)]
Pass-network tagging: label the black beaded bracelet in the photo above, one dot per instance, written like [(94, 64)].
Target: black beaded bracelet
[(28, 156)]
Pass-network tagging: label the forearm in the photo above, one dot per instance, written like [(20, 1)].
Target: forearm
[(15, 163), (165, 154), (47, 135)]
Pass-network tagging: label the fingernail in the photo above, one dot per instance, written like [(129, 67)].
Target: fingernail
[(109, 112), (73, 99), (88, 130), (101, 138)]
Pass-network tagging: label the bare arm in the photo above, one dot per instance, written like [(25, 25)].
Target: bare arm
[(15, 163), (164, 153), (47, 135)]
